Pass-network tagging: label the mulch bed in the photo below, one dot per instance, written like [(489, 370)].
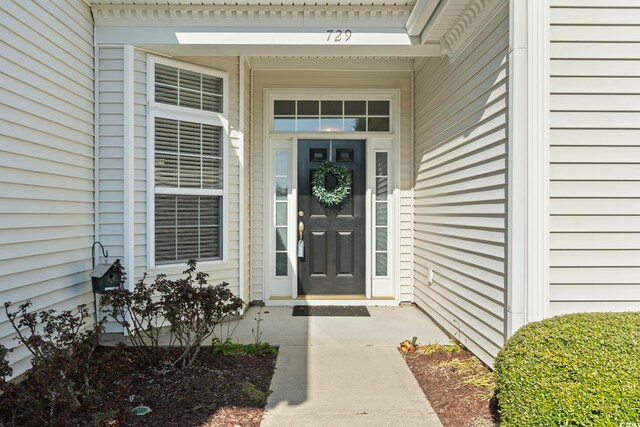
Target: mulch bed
[(457, 403), (207, 394), (218, 390)]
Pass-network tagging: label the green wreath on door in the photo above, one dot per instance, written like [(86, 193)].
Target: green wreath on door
[(339, 194)]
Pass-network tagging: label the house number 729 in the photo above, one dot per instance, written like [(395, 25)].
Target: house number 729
[(338, 36)]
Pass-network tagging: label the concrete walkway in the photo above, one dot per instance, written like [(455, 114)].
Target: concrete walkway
[(343, 371)]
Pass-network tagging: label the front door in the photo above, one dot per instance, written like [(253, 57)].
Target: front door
[(334, 237)]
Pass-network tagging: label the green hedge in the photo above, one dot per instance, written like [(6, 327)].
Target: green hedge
[(572, 370)]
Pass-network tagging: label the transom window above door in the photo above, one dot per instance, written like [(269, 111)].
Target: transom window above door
[(331, 116)]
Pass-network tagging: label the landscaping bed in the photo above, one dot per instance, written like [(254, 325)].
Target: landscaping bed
[(217, 391), (458, 386), (74, 381)]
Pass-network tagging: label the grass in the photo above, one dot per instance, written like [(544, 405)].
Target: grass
[(470, 370), (428, 349), (230, 348)]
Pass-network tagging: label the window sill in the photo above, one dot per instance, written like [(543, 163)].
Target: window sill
[(178, 269)]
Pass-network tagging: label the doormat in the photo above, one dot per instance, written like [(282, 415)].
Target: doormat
[(331, 310)]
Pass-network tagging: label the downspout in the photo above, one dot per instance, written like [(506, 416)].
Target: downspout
[(96, 146), (250, 166), (413, 178), (96, 139), (241, 229)]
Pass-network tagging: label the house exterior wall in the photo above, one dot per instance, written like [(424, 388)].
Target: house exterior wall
[(263, 79), (460, 158), (46, 158), (111, 162), (595, 156), (110, 149)]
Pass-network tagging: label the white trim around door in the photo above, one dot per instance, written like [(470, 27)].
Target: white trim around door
[(281, 146)]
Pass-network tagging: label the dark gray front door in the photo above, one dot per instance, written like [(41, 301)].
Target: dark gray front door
[(334, 238)]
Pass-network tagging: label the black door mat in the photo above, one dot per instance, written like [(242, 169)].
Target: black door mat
[(331, 310)]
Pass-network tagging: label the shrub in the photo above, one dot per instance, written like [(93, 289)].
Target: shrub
[(62, 386), (572, 370), (139, 312), (191, 307)]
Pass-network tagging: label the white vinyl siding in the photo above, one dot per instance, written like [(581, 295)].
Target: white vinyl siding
[(140, 160), (595, 156), (46, 158), (284, 79), (111, 162), (110, 152), (460, 189)]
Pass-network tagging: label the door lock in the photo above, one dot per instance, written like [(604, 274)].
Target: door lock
[(300, 214)]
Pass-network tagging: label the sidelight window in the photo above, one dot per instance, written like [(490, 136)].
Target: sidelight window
[(381, 214), (281, 181)]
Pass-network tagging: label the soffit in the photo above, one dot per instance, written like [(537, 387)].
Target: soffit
[(444, 17), (450, 26), (255, 2)]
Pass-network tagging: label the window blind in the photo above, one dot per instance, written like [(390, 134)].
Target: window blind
[(188, 166)]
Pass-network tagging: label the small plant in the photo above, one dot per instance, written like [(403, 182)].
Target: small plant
[(257, 334), (229, 348), (253, 392), (189, 306)]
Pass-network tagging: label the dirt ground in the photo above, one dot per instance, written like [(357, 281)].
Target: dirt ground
[(219, 391), (458, 385)]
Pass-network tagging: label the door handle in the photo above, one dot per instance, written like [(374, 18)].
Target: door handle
[(301, 242)]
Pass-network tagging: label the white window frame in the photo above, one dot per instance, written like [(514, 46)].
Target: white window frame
[(174, 112), (280, 283), (385, 285)]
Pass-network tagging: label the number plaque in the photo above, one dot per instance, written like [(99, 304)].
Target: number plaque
[(339, 35)]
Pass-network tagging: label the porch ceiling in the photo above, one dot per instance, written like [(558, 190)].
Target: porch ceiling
[(409, 28)]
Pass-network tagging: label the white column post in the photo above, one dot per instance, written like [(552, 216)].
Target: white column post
[(528, 215), (128, 154)]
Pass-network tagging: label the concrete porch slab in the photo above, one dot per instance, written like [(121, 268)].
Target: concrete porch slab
[(343, 371), (386, 326)]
